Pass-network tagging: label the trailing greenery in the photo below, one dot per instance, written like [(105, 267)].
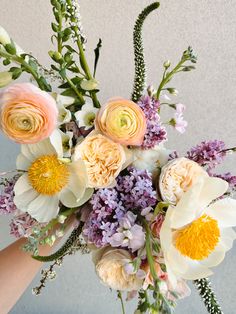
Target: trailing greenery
[(140, 67), (208, 296), (64, 249)]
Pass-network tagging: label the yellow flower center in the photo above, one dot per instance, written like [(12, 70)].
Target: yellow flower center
[(48, 175), (199, 239)]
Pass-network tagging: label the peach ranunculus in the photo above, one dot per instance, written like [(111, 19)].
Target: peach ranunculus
[(103, 158), (123, 121), (27, 114), (177, 177), (110, 267)]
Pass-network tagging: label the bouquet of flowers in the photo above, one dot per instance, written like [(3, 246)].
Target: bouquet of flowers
[(151, 219)]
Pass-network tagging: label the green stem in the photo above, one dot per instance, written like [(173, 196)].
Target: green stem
[(64, 249), (167, 77), (20, 60), (59, 39), (149, 252), (72, 85), (229, 150), (87, 72), (54, 221), (122, 302)]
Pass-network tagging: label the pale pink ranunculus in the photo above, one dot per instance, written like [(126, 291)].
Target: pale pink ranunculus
[(27, 114), (123, 121)]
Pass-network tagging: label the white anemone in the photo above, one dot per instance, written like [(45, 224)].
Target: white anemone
[(48, 180), (197, 231)]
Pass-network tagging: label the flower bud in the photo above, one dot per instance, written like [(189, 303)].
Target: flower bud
[(61, 219), (172, 91), (4, 37), (5, 78), (166, 64), (89, 84)]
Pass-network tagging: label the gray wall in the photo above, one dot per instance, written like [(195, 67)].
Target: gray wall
[(209, 92)]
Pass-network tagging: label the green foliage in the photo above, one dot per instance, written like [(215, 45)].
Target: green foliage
[(64, 249), (97, 54), (208, 296), (140, 67)]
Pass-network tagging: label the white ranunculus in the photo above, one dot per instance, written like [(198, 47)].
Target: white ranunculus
[(197, 232)]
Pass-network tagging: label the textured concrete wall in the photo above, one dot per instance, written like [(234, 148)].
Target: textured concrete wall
[(209, 93)]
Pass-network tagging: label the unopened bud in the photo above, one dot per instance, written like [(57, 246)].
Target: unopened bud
[(89, 84), (172, 91), (166, 64)]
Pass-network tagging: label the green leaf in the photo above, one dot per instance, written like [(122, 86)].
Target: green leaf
[(69, 92), (43, 84), (16, 73), (97, 54), (33, 64), (6, 62), (10, 48), (54, 27)]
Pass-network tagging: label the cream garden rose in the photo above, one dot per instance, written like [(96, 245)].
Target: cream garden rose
[(103, 158), (177, 177), (110, 267), (27, 114), (123, 121)]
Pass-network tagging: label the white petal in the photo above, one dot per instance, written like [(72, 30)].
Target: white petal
[(228, 235), (196, 271), (44, 208), (68, 198), (177, 261), (23, 200), (211, 190), (22, 162), (34, 151), (78, 178), (224, 211), (22, 185), (187, 208), (165, 232), (216, 257), (56, 141)]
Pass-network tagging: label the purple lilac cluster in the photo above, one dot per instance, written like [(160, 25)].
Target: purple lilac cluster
[(112, 209), (155, 133), (21, 225), (208, 153), (7, 205)]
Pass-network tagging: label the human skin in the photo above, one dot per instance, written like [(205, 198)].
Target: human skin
[(18, 269)]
